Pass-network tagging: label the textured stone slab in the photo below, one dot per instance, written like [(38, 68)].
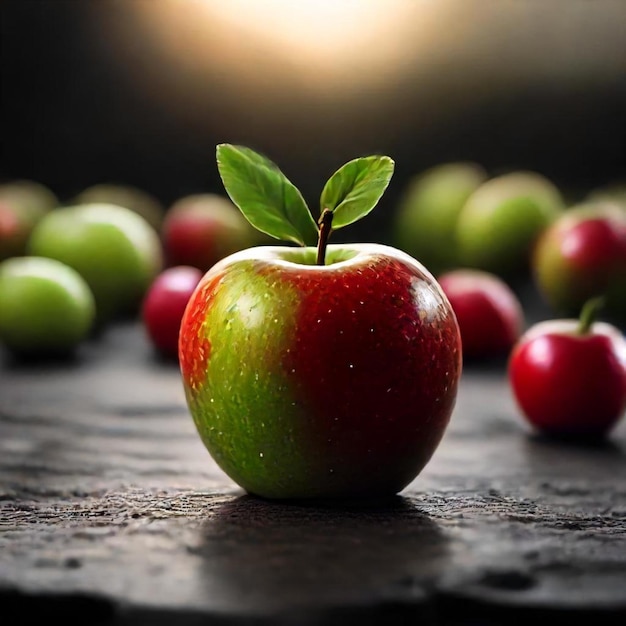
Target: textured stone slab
[(111, 511)]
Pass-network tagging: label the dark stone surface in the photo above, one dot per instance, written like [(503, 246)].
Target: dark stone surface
[(112, 512)]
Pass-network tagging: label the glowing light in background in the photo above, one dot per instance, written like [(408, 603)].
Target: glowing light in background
[(316, 44), (311, 77), (327, 33)]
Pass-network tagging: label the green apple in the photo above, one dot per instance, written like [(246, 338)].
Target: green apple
[(201, 229), (424, 223), (113, 248), (138, 200), (46, 306), (581, 256), (22, 204), (501, 221), (317, 372)]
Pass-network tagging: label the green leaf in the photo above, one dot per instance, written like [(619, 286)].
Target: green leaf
[(268, 200), (355, 188)]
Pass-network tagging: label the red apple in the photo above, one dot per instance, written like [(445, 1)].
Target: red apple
[(583, 255), (328, 372), (201, 229), (164, 305), (488, 311), (311, 381), (568, 376)]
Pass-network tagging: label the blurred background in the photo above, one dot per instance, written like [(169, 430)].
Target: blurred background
[(140, 91)]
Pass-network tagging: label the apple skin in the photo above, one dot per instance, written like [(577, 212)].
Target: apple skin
[(501, 221), (201, 229), (22, 204), (489, 313), (307, 381), (115, 250), (164, 304), (583, 254), (568, 384), (424, 224)]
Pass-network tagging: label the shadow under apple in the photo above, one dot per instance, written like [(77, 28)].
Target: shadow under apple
[(309, 558)]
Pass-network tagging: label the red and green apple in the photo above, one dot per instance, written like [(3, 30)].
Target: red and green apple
[(201, 229), (581, 256), (22, 204), (326, 371)]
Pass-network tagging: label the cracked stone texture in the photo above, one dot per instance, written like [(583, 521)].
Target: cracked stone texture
[(112, 512)]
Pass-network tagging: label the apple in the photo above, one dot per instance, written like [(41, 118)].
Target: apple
[(317, 372), (583, 254), (568, 376), (424, 223), (489, 313), (47, 307), (22, 204), (201, 229), (500, 222), (164, 304), (113, 248), (138, 200)]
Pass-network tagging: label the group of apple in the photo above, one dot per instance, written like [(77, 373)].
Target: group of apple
[(480, 235), (317, 370), (68, 270), (344, 362)]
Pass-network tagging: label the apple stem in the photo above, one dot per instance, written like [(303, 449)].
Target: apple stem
[(325, 223), (588, 314)]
